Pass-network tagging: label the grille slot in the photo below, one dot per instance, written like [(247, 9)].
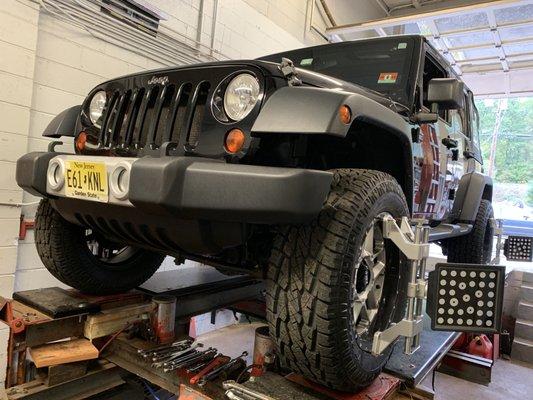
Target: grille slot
[(198, 110), (132, 114), (145, 117), (118, 117), (108, 116), (177, 113), (154, 113)]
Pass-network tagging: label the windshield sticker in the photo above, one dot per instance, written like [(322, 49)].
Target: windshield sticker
[(306, 61), (388, 77), (402, 46)]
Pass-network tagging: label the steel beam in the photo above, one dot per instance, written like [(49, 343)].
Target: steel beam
[(527, 39), (483, 60), (466, 31), (383, 6), (526, 65), (424, 13), (497, 39)]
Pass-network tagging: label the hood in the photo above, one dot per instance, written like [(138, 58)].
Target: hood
[(308, 77), (328, 82), (272, 68)]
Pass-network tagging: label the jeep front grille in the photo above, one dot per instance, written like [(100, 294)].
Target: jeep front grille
[(150, 116)]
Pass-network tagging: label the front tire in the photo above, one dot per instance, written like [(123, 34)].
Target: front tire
[(321, 310), (65, 250)]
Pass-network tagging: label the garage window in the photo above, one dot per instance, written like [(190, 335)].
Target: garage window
[(133, 12)]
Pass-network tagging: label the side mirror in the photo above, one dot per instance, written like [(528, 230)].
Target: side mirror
[(446, 94)]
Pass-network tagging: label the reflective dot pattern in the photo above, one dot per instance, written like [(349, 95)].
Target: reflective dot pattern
[(518, 248), (467, 297)]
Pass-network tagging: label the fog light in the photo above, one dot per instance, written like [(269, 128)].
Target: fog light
[(345, 114), (55, 174), (234, 141), (119, 181), (81, 140)]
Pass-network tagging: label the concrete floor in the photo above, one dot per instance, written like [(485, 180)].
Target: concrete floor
[(510, 380)]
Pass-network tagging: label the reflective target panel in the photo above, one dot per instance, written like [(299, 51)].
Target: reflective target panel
[(518, 248), (466, 297)]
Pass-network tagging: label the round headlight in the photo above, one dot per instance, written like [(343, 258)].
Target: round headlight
[(96, 107), (241, 96)]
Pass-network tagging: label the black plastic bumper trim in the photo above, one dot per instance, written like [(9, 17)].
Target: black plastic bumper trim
[(202, 189)]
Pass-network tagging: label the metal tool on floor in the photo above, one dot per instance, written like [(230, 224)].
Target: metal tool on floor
[(200, 357), (223, 368), (179, 345), (162, 359), (192, 354), (217, 362), (236, 391)]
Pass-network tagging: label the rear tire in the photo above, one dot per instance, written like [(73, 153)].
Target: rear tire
[(64, 251), (318, 280), (476, 247)]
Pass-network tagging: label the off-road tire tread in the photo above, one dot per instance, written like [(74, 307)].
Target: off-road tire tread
[(306, 305), (60, 247), (469, 248)]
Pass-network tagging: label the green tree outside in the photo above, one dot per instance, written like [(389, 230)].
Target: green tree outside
[(513, 161)]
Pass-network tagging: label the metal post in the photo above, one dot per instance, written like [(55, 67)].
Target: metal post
[(421, 280), (498, 231), (413, 269)]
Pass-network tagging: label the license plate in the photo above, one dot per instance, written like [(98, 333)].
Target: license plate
[(86, 180)]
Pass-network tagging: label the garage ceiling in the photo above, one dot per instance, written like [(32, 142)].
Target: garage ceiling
[(488, 43)]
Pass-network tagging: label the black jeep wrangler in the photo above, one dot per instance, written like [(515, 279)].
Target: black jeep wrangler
[(281, 167)]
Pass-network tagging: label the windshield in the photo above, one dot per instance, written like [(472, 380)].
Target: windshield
[(382, 65)]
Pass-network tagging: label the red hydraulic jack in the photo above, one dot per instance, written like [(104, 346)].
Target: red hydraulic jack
[(382, 387)]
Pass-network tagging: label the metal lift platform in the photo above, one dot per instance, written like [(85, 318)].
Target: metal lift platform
[(40, 316)]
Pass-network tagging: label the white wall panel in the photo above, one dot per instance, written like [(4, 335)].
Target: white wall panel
[(15, 118), (12, 145), (16, 60)]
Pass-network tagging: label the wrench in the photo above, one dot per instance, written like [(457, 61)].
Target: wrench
[(217, 362), (162, 348), (232, 386), (217, 371), (203, 356)]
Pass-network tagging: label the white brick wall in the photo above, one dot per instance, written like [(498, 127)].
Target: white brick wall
[(18, 40)]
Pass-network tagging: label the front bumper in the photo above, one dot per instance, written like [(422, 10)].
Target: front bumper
[(194, 188)]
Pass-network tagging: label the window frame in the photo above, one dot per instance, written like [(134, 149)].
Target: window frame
[(436, 59)]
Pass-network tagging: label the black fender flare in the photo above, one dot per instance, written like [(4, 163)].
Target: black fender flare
[(473, 187), (312, 111), (315, 111), (64, 123)]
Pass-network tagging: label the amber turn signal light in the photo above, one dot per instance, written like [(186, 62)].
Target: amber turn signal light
[(234, 141), (80, 141), (345, 114)]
